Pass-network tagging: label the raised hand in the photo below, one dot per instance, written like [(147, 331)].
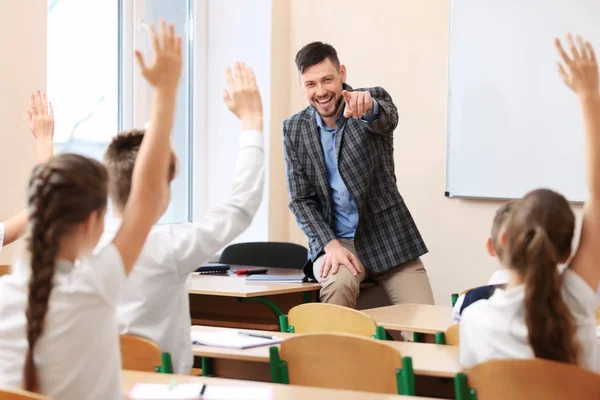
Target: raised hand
[(243, 98), (40, 116), (357, 103), (164, 71), (581, 73)]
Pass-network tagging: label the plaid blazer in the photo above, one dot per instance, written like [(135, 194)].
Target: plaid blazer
[(386, 235)]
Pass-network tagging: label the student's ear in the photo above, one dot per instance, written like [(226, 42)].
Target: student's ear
[(490, 247), (343, 73)]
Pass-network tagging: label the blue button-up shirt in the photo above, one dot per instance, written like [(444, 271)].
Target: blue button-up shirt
[(345, 211)]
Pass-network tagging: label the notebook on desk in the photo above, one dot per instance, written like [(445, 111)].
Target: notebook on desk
[(300, 278), (233, 339)]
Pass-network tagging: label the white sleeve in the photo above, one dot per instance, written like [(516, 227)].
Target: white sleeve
[(1, 235), (579, 296), (106, 273), (194, 243), (465, 353), (456, 308)]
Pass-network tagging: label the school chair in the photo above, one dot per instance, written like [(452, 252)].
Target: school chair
[(17, 394), (140, 354), (321, 317), (4, 270), (342, 361), (265, 254), (449, 336), (527, 379)]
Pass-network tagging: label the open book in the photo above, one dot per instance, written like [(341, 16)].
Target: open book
[(233, 339)]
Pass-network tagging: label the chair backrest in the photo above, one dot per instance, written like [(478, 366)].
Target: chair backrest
[(139, 354), (4, 269), (16, 394), (341, 361), (451, 335), (532, 379), (265, 254), (321, 317)]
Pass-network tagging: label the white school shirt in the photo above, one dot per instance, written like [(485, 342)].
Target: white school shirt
[(499, 277), (77, 355), (154, 303), (495, 328)]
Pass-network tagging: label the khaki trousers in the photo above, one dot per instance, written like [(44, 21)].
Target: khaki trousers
[(405, 283)]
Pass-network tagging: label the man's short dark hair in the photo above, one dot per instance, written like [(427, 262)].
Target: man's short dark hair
[(314, 53), (119, 160)]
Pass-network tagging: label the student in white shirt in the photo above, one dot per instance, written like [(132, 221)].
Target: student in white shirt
[(155, 303), (58, 334), (40, 116), (543, 313), (498, 279)]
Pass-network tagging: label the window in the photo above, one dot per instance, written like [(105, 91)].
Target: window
[(95, 86)]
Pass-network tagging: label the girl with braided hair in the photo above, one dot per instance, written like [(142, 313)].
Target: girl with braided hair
[(59, 334)]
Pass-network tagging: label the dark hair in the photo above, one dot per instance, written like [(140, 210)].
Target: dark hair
[(314, 53), (62, 193), (540, 231), (498, 222), (119, 159)]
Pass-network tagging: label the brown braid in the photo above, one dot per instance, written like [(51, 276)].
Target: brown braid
[(62, 193)]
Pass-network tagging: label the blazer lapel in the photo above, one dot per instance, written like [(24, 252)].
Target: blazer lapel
[(315, 150), (341, 128)]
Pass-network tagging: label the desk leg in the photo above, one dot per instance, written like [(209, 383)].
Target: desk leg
[(268, 302), (207, 367), (307, 297), (418, 337)]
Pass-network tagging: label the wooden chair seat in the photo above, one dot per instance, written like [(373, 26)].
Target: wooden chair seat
[(320, 317), (527, 379), (342, 361), (139, 354), (4, 269)]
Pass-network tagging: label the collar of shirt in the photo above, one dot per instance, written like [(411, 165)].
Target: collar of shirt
[(322, 126)]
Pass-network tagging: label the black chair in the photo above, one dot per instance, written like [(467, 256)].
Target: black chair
[(265, 254)]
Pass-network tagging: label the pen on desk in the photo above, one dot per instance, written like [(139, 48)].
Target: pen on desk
[(203, 390), (257, 336), (252, 271)]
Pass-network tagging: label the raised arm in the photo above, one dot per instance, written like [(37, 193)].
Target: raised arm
[(195, 243), (375, 107), (149, 185), (580, 73), (40, 116)]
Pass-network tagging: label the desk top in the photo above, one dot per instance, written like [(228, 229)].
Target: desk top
[(413, 317), (287, 392), (231, 285), (428, 359)]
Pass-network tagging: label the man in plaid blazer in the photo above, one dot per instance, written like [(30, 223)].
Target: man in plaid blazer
[(340, 176)]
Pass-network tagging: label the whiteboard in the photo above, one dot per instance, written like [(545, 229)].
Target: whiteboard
[(513, 125)]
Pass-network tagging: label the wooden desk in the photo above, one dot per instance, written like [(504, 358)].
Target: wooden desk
[(216, 300), (418, 318), (232, 285), (432, 360), (287, 392)]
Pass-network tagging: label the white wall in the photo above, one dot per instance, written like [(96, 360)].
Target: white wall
[(22, 71), (235, 30)]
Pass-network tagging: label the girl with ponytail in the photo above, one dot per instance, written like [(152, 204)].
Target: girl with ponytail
[(545, 312), (59, 334)]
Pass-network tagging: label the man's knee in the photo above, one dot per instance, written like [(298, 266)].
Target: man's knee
[(341, 288)]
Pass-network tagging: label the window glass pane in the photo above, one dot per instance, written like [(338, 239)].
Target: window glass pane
[(83, 57), (178, 12)]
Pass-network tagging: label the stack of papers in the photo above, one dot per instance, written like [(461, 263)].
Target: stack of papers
[(232, 339), (191, 391)]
